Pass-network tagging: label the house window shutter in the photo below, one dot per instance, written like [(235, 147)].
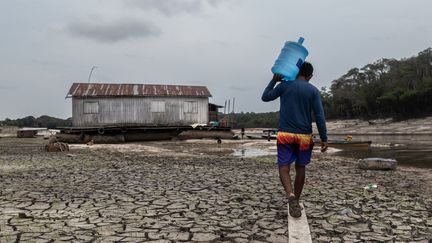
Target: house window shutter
[(91, 107), (190, 107), (157, 106)]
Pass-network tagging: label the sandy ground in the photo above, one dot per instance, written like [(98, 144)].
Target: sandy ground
[(381, 126), (198, 191)]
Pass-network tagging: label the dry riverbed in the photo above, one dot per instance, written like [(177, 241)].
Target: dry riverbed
[(198, 191)]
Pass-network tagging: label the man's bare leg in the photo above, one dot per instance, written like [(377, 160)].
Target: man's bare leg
[(299, 180), (294, 207), (284, 175)]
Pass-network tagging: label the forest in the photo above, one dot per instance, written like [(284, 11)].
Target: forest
[(42, 121), (399, 89)]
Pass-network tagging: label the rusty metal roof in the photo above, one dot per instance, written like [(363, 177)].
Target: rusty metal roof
[(139, 90)]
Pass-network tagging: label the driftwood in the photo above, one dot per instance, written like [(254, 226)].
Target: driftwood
[(57, 147), (377, 164)]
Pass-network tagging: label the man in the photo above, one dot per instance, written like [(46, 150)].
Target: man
[(298, 99)]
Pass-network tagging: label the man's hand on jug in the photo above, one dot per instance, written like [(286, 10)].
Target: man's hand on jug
[(277, 77), (324, 146)]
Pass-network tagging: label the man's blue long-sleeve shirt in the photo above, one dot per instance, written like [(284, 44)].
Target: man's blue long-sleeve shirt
[(298, 99)]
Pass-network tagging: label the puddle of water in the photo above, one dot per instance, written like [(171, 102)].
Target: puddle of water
[(252, 152), (408, 150)]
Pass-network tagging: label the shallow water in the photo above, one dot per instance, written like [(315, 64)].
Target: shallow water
[(408, 150), (252, 152)]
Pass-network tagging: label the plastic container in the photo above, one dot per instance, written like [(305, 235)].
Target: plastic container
[(290, 59)]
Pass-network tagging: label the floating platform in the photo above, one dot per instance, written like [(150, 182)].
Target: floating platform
[(121, 134)]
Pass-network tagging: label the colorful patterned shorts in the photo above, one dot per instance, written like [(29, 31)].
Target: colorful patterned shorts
[(294, 147)]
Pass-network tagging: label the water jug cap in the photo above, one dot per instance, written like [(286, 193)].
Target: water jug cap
[(301, 40)]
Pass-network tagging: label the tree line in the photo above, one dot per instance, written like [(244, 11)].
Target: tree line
[(399, 89), (42, 121), (252, 120)]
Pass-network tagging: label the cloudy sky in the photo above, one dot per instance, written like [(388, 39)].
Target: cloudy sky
[(227, 45)]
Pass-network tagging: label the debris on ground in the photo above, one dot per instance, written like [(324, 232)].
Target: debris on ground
[(370, 187), (57, 147)]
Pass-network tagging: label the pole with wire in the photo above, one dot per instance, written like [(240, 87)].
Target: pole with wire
[(91, 72)]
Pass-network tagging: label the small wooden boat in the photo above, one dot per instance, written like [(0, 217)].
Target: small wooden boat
[(347, 144), (270, 134), (250, 136)]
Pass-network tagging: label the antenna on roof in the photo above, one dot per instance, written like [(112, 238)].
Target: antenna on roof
[(91, 72)]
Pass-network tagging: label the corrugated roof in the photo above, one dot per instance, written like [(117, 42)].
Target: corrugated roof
[(114, 90)]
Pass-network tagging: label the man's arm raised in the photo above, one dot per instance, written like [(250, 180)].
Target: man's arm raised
[(270, 92)]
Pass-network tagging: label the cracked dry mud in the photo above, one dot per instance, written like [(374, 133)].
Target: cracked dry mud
[(104, 195)]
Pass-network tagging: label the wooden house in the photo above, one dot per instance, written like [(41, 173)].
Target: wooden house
[(108, 104)]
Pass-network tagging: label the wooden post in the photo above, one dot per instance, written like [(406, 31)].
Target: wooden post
[(228, 113), (298, 228), (225, 107)]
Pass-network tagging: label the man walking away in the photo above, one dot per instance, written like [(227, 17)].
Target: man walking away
[(298, 100)]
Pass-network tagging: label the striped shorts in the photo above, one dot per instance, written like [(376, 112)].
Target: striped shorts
[(294, 147)]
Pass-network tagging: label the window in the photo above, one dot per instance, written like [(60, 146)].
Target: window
[(190, 107), (157, 106), (91, 107)]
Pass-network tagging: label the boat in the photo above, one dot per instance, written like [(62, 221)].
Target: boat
[(270, 134), (347, 144), (254, 136)]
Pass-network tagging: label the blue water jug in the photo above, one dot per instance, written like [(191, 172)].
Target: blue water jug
[(291, 58)]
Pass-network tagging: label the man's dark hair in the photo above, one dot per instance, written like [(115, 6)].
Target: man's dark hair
[(306, 70)]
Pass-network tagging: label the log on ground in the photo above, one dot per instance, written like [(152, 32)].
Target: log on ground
[(377, 164)]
